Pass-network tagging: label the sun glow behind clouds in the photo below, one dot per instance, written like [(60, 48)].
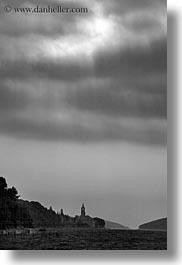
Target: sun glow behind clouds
[(95, 34), (86, 36), (91, 35)]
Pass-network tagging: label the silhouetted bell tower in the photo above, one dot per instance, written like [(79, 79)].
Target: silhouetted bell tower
[(83, 210)]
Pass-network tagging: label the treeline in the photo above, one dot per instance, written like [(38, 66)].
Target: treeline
[(12, 214), (41, 216), (17, 213)]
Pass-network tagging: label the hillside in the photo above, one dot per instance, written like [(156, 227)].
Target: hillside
[(41, 216), (18, 213), (160, 224), (113, 225)]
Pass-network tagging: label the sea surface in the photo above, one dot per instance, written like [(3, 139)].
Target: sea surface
[(80, 239)]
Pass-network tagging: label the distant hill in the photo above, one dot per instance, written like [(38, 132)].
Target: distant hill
[(113, 225), (160, 224)]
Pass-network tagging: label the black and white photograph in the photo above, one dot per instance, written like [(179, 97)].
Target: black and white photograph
[(83, 125)]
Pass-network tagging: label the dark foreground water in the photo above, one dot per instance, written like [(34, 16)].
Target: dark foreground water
[(77, 239)]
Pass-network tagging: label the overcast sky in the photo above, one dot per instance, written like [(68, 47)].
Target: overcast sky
[(83, 107)]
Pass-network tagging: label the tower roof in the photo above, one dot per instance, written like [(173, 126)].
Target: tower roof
[(83, 210)]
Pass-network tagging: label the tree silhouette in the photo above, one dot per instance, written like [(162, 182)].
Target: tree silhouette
[(3, 185), (13, 194), (12, 213)]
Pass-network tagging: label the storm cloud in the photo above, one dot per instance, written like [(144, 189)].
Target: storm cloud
[(85, 77)]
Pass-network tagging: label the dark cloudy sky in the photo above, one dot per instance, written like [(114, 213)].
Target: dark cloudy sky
[(83, 107)]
